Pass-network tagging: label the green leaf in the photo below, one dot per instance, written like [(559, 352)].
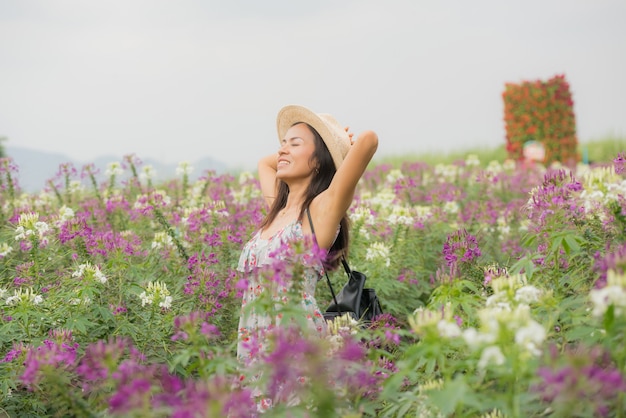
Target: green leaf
[(609, 318), (450, 396)]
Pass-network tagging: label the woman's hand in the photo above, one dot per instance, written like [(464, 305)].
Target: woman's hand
[(350, 135)]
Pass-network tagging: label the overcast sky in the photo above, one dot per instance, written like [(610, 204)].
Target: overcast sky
[(180, 80)]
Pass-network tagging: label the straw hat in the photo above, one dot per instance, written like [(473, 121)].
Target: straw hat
[(334, 135)]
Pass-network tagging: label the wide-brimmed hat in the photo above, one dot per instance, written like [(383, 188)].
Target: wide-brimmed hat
[(334, 135)]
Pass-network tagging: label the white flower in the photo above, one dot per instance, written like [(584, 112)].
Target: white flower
[(28, 220), (394, 175), (614, 293), (146, 299), (89, 272), (362, 214), (448, 329), (166, 302), (114, 169), (147, 172), (75, 186), (451, 207), (156, 292), (24, 296), (502, 226), (446, 172), (162, 239), (384, 198), (29, 224), (472, 160), (423, 318), (184, 168), (509, 165), (5, 249), (158, 198), (400, 215), (42, 227), (378, 251), (498, 302), (475, 339), (65, 213), (491, 355), (531, 336), (494, 167), (423, 213), (607, 296), (527, 294), (245, 177), (77, 301)]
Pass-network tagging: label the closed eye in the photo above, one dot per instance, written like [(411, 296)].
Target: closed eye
[(296, 140)]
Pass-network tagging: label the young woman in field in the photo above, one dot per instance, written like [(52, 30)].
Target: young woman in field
[(316, 169)]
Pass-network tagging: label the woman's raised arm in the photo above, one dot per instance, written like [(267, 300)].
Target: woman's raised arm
[(341, 189), (267, 177)]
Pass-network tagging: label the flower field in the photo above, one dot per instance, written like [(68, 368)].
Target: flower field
[(503, 287)]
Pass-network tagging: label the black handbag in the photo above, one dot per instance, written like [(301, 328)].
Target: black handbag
[(354, 298)]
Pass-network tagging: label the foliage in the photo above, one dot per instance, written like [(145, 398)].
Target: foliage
[(503, 286)]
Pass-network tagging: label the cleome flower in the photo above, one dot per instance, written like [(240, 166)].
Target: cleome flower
[(423, 213), (363, 215), (114, 169), (423, 318), (184, 168), (504, 326), (5, 249), (378, 251), (343, 324), (613, 294), (384, 198), (156, 293), (512, 290), (156, 198), (491, 355), (24, 296), (472, 160), (148, 173), (424, 321), (65, 213), (394, 175), (30, 225), (88, 271), (161, 240), (400, 215)]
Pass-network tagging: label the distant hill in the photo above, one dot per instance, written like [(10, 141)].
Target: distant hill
[(36, 167)]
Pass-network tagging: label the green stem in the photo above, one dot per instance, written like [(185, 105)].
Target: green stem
[(170, 231), (94, 183)]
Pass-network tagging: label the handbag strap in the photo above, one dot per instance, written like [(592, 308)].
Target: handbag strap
[(345, 264)]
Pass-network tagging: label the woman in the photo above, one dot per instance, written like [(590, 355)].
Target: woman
[(317, 168)]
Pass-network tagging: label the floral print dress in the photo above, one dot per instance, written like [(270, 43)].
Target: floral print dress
[(260, 252)]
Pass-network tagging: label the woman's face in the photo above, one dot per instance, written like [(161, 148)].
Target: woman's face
[(294, 155)]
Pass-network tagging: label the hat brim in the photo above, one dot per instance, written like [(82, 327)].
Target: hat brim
[(334, 135)]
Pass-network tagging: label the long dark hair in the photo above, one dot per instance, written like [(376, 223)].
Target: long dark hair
[(325, 171)]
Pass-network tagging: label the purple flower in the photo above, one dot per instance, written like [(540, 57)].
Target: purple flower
[(460, 247), (584, 377), (619, 163), (60, 356)]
